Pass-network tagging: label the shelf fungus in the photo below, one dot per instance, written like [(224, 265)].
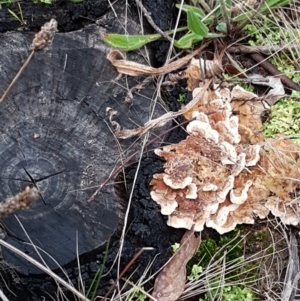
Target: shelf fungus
[(224, 173)]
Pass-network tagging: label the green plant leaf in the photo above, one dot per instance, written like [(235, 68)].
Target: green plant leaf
[(195, 24), (127, 42), (222, 27), (188, 40), (228, 5), (213, 35), (14, 15), (196, 10)]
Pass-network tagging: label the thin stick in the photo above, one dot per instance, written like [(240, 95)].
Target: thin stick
[(44, 269), (17, 76), (150, 20), (274, 71)]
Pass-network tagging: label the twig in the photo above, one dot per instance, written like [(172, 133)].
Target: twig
[(258, 58), (17, 75), (150, 20), (267, 50)]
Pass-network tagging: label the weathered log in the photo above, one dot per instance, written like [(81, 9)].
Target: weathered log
[(55, 136)]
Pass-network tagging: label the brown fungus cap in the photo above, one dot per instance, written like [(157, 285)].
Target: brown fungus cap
[(219, 175)]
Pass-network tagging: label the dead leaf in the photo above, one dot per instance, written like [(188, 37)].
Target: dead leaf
[(169, 284), (135, 69)]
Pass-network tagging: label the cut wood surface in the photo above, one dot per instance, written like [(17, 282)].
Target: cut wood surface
[(55, 135)]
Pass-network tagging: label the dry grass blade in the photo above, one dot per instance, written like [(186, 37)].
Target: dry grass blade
[(170, 283), (292, 276), (136, 256), (2, 296), (135, 69), (44, 269)]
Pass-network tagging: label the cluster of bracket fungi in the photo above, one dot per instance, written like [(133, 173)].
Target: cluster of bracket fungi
[(225, 172)]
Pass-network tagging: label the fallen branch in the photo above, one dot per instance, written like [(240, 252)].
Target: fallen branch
[(267, 50), (258, 58)]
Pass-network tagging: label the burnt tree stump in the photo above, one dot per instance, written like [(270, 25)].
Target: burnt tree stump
[(55, 134)]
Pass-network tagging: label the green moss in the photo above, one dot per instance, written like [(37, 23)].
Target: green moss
[(284, 119), (268, 34), (210, 250), (232, 293)]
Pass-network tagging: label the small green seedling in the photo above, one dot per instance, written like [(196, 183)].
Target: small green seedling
[(182, 98), (175, 247), (198, 24), (139, 295), (220, 287), (195, 272), (19, 17), (197, 30), (230, 293)]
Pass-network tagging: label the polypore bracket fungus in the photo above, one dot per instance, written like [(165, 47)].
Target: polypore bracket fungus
[(217, 177)]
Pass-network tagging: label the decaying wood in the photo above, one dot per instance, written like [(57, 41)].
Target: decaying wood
[(54, 125), (170, 283), (135, 69)]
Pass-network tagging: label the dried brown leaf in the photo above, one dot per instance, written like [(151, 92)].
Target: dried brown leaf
[(135, 69), (170, 283)]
